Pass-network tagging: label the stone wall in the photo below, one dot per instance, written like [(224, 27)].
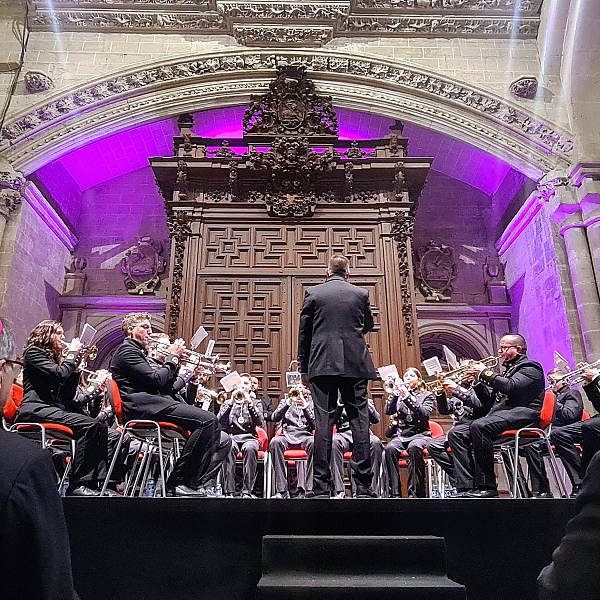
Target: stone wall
[(457, 215), (35, 261), (533, 279), (114, 216)]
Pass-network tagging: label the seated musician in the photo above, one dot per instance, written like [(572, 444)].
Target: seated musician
[(145, 394), (517, 394), (342, 442), (239, 417), (464, 405), (297, 417), (49, 387), (565, 423), (412, 404)]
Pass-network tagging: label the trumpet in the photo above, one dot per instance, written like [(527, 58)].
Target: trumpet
[(393, 386), (217, 397), (296, 394), (193, 359), (576, 377), (87, 353), (458, 375)]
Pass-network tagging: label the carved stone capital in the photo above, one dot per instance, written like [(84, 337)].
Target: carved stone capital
[(9, 201)]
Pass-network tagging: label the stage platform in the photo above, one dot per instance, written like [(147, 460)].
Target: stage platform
[(196, 548)]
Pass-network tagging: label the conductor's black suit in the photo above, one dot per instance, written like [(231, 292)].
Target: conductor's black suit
[(333, 352)]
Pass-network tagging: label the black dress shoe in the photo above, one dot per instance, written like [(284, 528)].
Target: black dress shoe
[(544, 495), (576, 489), (313, 495), (482, 494), (365, 492), (462, 494), (81, 490), (183, 491)]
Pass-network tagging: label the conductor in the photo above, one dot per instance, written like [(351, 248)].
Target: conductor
[(333, 356)]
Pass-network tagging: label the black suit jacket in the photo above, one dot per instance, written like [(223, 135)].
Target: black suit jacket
[(142, 385), (521, 385), (574, 573), (568, 408), (592, 391), (334, 319), (47, 383), (35, 561)]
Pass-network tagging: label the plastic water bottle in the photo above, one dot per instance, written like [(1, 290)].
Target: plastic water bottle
[(64, 486), (218, 490), (150, 490), (448, 491), (435, 493)]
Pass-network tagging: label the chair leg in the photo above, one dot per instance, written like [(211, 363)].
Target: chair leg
[(112, 463), (560, 484)]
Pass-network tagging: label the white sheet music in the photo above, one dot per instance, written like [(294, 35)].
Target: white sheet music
[(198, 336), (432, 365), (450, 357)]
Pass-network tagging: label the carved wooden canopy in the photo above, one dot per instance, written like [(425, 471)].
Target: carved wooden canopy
[(290, 158)]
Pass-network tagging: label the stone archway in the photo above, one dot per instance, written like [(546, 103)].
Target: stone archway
[(171, 87)]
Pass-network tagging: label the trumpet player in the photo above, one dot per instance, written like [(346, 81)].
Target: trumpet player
[(566, 423), (239, 417), (517, 397), (460, 401), (297, 418), (141, 387), (50, 383), (411, 404)]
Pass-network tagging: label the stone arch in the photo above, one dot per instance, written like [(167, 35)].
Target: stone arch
[(171, 87), (463, 341)]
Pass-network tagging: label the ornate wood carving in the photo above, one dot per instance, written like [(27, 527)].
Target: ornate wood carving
[(402, 231)]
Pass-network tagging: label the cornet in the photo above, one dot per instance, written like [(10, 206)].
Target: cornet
[(217, 397), (195, 359), (575, 377), (394, 386)]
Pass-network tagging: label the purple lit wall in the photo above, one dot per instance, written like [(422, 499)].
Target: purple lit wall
[(534, 286), (115, 215)]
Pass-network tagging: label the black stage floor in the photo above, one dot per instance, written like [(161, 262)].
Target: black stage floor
[(196, 548)]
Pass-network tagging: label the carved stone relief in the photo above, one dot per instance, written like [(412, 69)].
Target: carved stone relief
[(525, 87), (36, 81), (282, 35), (435, 270), (179, 230), (142, 266)]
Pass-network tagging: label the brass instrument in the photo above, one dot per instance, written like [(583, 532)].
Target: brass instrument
[(87, 353), (458, 375), (193, 359), (296, 394), (575, 377), (216, 397)]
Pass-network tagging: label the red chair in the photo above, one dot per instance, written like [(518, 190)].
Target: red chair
[(437, 431), (511, 440), (291, 456), (152, 435), (48, 435)]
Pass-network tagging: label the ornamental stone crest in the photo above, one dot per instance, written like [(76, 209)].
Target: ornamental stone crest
[(36, 81), (142, 266), (436, 270), (291, 107), (525, 87)]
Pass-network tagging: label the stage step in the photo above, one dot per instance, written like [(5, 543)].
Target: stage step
[(297, 567)]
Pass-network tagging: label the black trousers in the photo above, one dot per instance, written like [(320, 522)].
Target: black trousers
[(91, 450), (199, 449), (590, 441), (483, 433), (353, 392), (461, 445), (416, 465), (343, 443), (534, 455), (439, 450), (564, 439)]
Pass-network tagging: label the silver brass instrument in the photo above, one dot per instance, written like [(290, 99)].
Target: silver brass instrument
[(458, 375), (217, 397), (575, 377), (193, 359)]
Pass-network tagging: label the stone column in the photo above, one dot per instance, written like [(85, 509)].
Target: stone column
[(567, 213), (587, 180)]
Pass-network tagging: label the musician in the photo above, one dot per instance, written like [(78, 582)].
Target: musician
[(266, 402), (342, 442), (35, 560), (298, 422), (464, 405), (333, 355), (518, 395), (49, 387), (142, 387), (239, 417), (411, 404), (590, 429), (567, 412)]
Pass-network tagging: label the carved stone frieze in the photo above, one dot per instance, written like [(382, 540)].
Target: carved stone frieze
[(487, 108), (501, 27), (282, 35), (547, 189), (12, 186), (9, 201), (252, 21), (525, 87), (36, 81), (530, 6)]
